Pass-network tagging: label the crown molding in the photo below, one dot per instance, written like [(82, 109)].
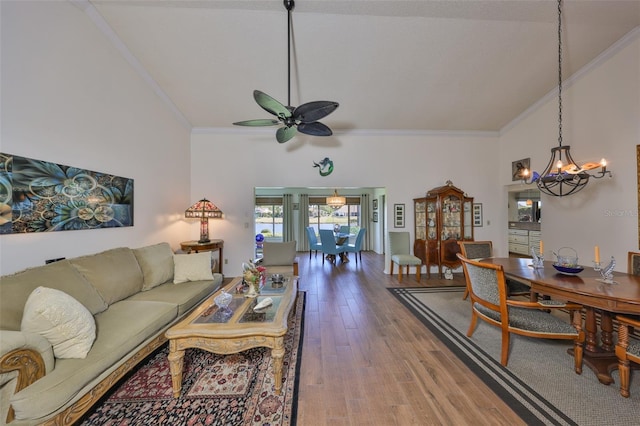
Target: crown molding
[(353, 132)]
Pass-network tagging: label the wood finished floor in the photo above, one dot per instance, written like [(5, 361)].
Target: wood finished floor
[(366, 360)]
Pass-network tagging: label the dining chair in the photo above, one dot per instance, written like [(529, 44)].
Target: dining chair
[(401, 254), (490, 302), (481, 250), (633, 263), (357, 246), (314, 244), (345, 229), (329, 246), (626, 350)]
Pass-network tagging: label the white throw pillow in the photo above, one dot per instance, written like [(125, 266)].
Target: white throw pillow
[(192, 267), (62, 320)]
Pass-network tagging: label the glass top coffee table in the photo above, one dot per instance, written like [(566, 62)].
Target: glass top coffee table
[(236, 328)]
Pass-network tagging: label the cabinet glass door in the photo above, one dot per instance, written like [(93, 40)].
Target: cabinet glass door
[(451, 218), (468, 221), (432, 232), (421, 220)]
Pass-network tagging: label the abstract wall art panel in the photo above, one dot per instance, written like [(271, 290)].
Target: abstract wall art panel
[(39, 196)]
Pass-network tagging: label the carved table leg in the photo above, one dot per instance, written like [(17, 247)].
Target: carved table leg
[(599, 358), (176, 359), (277, 353)]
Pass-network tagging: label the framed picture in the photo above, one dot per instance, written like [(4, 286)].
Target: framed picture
[(518, 168), (40, 196), (477, 214), (375, 204), (375, 216), (398, 215)]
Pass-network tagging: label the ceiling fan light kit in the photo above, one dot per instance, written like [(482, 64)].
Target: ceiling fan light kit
[(303, 118)]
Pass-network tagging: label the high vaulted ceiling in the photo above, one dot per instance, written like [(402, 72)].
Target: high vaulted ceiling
[(436, 65)]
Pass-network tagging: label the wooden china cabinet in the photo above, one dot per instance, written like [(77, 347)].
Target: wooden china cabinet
[(442, 218)]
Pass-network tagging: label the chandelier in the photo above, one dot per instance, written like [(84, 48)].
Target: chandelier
[(563, 176), (336, 201)]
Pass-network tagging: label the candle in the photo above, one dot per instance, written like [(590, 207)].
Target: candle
[(597, 254), (541, 248)]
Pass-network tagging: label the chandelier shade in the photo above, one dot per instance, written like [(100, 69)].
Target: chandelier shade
[(203, 210), (336, 201)]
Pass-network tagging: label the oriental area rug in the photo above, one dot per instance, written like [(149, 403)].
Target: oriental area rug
[(539, 383), (235, 389)]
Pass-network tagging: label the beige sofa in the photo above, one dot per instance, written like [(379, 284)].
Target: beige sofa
[(132, 295)]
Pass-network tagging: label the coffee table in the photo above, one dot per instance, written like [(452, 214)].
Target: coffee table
[(235, 328)]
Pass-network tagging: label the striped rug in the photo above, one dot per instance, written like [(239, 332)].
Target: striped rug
[(539, 383)]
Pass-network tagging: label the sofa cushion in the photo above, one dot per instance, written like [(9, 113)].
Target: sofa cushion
[(192, 267), (114, 273), (62, 320), (278, 254), (121, 329), (186, 298), (156, 263), (16, 288)]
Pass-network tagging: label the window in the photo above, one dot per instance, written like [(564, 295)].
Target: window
[(268, 218), (321, 216)]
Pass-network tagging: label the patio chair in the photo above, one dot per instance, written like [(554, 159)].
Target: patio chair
[(481, 250), (489, 302)]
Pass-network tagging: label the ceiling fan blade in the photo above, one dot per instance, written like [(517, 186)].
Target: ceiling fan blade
[(314, 129), (270, 105), (285, 133), (313, 111), (258, 122)]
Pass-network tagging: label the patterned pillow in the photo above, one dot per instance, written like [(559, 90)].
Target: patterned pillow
[(62, 320), (192, 267)]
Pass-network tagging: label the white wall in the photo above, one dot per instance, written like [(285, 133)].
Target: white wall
[(68, 97), (226, 166), (601, 118)]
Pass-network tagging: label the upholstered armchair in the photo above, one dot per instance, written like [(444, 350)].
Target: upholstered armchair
[(627, 351), (399, 249), (489, 302), (314, 244), (357, 246), (280, 257), (482, 250)]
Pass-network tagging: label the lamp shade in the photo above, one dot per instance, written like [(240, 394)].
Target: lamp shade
[(203, 210), (336, 201)]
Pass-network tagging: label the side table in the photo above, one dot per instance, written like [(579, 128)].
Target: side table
[(212, 245)]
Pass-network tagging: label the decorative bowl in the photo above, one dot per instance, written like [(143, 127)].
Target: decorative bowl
[(277, 278), (568, 270)]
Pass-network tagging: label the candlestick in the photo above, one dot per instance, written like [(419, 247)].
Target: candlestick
[(597, 254), (541, 248)]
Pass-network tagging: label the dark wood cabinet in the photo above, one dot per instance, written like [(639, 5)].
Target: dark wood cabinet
[(442, 218)]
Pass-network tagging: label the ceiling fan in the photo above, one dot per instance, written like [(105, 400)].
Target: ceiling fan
[(303, 118)]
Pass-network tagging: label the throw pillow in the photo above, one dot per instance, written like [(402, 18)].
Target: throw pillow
[(192, 267), (156, 262), (62, 320), (279, 254)]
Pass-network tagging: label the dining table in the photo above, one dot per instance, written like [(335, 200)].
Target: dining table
[(589, 289)]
